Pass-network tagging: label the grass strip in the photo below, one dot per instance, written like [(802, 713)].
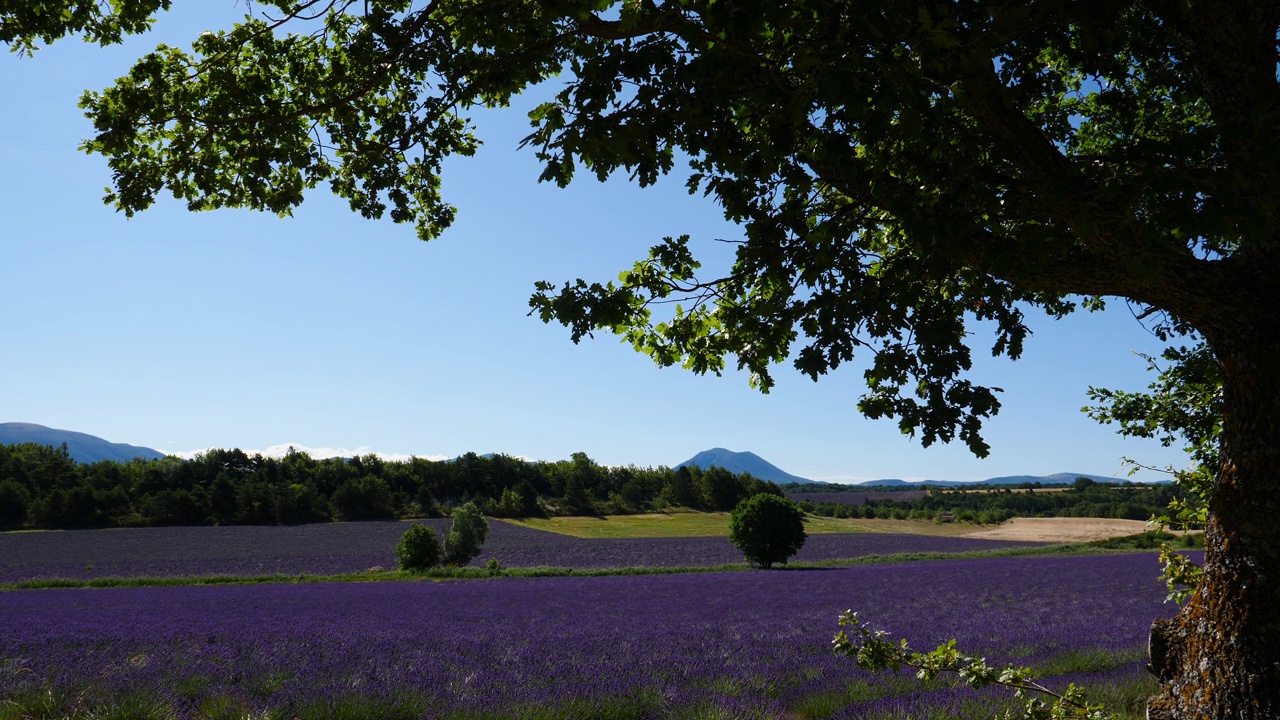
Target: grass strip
[(1102, 547)]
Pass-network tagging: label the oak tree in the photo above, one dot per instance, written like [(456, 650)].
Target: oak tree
[(899, 169), (767, 529)]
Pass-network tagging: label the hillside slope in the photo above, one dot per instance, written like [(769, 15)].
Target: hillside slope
[(740, 462), (82, 447)]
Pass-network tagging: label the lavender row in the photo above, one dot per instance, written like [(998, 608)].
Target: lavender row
[(351, 547), (755, 644), (857, 498)]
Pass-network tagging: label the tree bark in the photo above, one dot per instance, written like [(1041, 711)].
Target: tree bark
[(1220, 658)]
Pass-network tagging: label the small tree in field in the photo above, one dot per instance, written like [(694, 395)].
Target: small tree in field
[(418, 549), (467, 533), (767, 529)]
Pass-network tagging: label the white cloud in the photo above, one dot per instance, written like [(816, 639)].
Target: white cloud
[(279, 451)]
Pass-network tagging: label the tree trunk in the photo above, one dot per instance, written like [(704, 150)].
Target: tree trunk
[(1220, 658)]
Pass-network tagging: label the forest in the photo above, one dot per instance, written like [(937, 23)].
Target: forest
[(996, 503), (42, 487)]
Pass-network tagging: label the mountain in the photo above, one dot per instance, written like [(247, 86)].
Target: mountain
[(895, 482), (82, 448), (742, 462), (749, 462), (1054, 479)]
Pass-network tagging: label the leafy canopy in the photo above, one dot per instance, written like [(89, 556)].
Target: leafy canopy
[(25, 24), (899, 170), (768, 529), (1183, 405), (467, 534), (418, 549)]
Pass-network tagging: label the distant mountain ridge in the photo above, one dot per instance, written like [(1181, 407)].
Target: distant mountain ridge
[(82, 447), (85, 448), (749, 462), (742, 462), (1054, 479)]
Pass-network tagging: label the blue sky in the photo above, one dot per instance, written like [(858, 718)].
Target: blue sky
[(185, 331)]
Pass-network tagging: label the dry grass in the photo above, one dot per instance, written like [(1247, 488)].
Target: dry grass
[(649, 525), (1061, 529)]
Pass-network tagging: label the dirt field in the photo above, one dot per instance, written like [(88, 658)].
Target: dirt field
[(1061, 529)]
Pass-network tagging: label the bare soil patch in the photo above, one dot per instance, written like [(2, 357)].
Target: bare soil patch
[(1069, 529)]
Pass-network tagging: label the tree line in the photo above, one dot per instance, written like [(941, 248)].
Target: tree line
[(995, 504), (43, 487)]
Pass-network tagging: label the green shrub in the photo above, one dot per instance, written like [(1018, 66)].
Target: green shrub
[(418, 549), (767, 529), (467, 533), (994, 516)]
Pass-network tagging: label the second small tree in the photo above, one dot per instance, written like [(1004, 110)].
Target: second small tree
[(767, 529), (467, 533)]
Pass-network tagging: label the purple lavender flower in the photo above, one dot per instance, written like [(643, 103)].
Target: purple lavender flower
[(333, 548), (752, 644)]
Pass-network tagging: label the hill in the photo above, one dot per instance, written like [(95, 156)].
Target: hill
[(749, 462), (895, 482), (742, 462), (1054, 479), (82, 447)]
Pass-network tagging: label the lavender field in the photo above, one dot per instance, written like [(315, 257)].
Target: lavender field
[(333, 548), (858, 498), (708, 645)]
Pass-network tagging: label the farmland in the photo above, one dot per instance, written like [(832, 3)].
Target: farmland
[(332, 548), (708, 645), (858, 498), (698, 524)]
